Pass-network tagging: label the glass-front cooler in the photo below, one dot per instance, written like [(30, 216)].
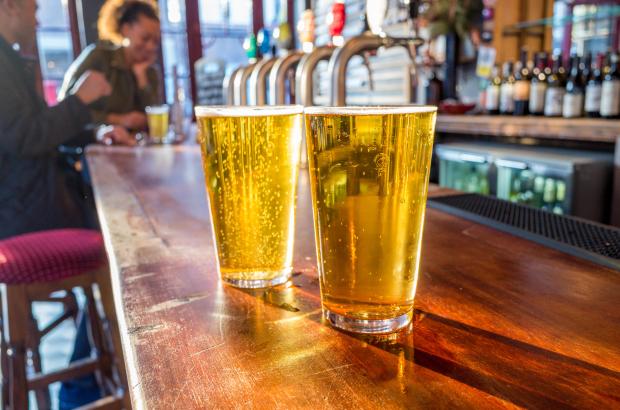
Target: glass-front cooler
[(464, 167), (517, 183), (558, 180)]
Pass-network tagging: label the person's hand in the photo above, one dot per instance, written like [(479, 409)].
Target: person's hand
[(134, 120), (140, 71), (113, 134), (91, 86)]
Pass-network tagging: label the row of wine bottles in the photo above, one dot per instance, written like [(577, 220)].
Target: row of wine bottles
[(545, 87)]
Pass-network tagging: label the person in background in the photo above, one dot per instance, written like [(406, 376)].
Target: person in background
[(129, 33), (33, 193)]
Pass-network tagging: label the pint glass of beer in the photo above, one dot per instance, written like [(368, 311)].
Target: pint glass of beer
[(157, 117), (369, 170), (250, 157)]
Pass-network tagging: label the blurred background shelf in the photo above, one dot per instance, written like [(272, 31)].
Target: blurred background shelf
[(578, 129)]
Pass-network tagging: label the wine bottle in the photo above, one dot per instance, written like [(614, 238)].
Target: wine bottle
[(549, 194), (573, 98), (548, 65), (585, 67), (610, 90), (554, 96), (538, 85), (561, 69), (593, 88), (506, 101), (493, 90), (521, 94), (560, 196), (433, 89)]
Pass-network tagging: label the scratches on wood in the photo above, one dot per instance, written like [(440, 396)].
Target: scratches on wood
[(134, 278), (207, 349), (171, 304), (331, 369), (144, 329)]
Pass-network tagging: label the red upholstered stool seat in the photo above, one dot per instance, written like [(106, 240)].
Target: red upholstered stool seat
[(48, 266), (50, 255)]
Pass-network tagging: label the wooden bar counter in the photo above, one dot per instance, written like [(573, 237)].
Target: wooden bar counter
[(500, 322)]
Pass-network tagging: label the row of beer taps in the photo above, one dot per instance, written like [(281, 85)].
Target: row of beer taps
[(289, 79)]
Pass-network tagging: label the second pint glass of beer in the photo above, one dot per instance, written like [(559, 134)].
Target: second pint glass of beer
[(250, 157), (157, 117), (369, 170)]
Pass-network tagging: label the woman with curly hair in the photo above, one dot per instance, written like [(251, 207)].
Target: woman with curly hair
[(129, 33)]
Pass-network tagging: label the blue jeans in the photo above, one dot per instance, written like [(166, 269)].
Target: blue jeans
[(78, 392)]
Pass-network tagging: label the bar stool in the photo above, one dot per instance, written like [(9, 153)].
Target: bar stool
[(33, 268)]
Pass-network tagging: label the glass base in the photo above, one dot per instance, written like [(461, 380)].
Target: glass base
[(284, 276), (368, 326)]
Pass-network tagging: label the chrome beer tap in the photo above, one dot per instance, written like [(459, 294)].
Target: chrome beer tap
[(229, 86), (242, 74), (257, 88), (304, 80), (241, 84), (283, 69), (368, 41)]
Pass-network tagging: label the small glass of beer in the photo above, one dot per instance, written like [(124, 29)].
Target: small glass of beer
[(369, 170), (157, 117), (250, 157)]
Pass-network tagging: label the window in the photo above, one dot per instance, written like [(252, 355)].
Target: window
[(224, 25), (593, 27), (226, 13), (55, 46), (272, 13), (174, 46)]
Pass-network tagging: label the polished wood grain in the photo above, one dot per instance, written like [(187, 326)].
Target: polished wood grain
[(500, 322), (576, 129)]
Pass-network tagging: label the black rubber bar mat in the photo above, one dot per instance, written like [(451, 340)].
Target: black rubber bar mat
[(589, 240)]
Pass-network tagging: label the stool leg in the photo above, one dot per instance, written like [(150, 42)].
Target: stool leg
[(96, 339), (42, 395), (4, 365), (17, 312)]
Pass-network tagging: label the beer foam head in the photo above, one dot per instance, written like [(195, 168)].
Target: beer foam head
[(248, 111), (157, 109), (371, 110)]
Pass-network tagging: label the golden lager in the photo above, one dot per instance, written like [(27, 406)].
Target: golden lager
[(158, 121), (369, 170), (250, 157)]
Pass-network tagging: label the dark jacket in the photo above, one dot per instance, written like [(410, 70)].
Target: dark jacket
[(33, 193), (126, 96)]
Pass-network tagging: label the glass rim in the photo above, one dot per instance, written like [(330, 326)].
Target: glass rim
[(156, 109), (246, 110), (370, 109)]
